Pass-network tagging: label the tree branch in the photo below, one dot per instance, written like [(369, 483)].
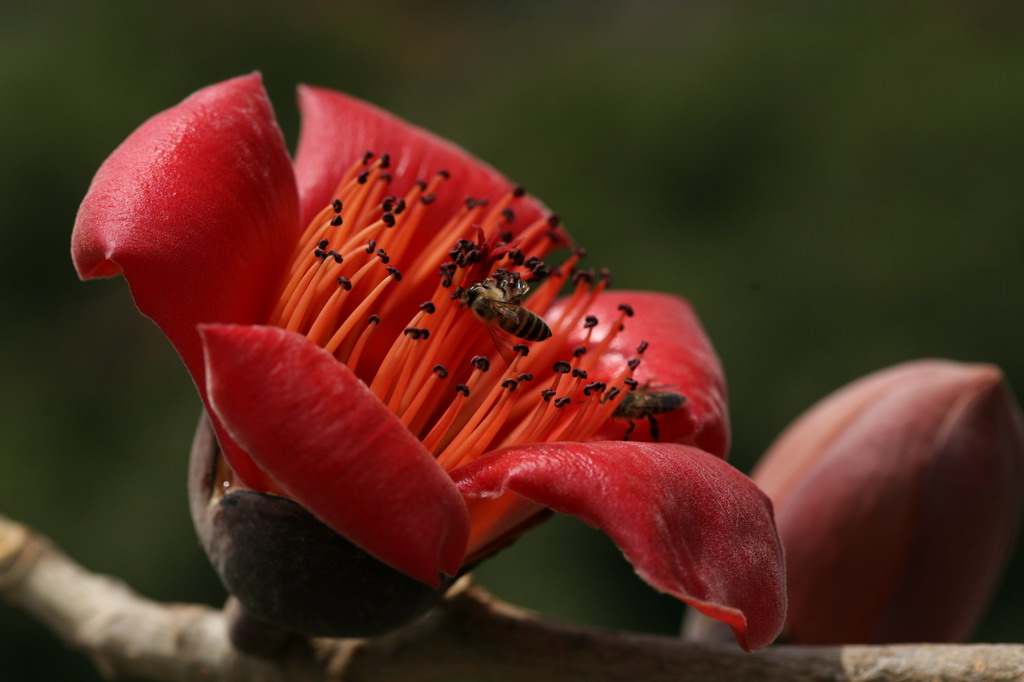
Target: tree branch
[(470, 635)]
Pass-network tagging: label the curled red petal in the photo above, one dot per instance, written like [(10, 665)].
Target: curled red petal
[(679, 358), (335, 448), (898, 498), (337, 129), (195, 208), (690, 524)]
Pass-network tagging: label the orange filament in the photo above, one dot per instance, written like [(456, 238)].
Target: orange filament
[(352, 359), (358, 314), (377, 280), (437, 435)]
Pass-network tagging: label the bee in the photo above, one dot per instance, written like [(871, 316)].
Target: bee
[(643, 403), (499, 303)]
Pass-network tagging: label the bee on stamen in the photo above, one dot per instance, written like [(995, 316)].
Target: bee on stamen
[(643, 403), (499, 304)]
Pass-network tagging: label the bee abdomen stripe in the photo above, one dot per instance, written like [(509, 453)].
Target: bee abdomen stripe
[(532, 328)]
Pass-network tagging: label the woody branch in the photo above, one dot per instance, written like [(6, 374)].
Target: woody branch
[(471, 634)]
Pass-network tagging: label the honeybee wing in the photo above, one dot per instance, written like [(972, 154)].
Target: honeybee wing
[(508, 311), (502, 339)]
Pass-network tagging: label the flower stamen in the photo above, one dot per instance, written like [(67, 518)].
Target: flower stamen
[(352, 359), (335, 299), (438, 438), (353, 318)]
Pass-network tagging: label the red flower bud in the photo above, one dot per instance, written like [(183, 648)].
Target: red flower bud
[(897, 499)]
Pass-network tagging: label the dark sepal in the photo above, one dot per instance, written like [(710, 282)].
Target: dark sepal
[(286, 567)]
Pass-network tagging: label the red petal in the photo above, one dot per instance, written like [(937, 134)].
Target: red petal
[(679, 358), (690, 524), (335, 448), (196, 208), (338, 129)]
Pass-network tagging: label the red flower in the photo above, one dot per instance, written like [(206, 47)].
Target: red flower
[(319, 308), (898, 500)]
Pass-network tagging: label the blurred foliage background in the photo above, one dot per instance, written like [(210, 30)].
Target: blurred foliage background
[(835, 185)]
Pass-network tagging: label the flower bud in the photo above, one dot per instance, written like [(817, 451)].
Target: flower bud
[(288, 569), (897, 499)]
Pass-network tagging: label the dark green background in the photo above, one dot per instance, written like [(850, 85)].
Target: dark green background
[(835, 185)]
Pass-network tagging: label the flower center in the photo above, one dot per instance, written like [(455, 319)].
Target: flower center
[(413, 302)]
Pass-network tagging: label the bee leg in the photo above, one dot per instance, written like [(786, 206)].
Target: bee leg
[(632, 425), (654, 426)]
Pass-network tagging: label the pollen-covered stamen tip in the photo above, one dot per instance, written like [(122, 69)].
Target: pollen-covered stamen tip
[(441, 371), (589, 322), (641, 348), (554, 231), (539, 271), (447, 272), (562, 367), (515, 256), (626, 308), (582, 277), (522, 349), (417, 333)]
